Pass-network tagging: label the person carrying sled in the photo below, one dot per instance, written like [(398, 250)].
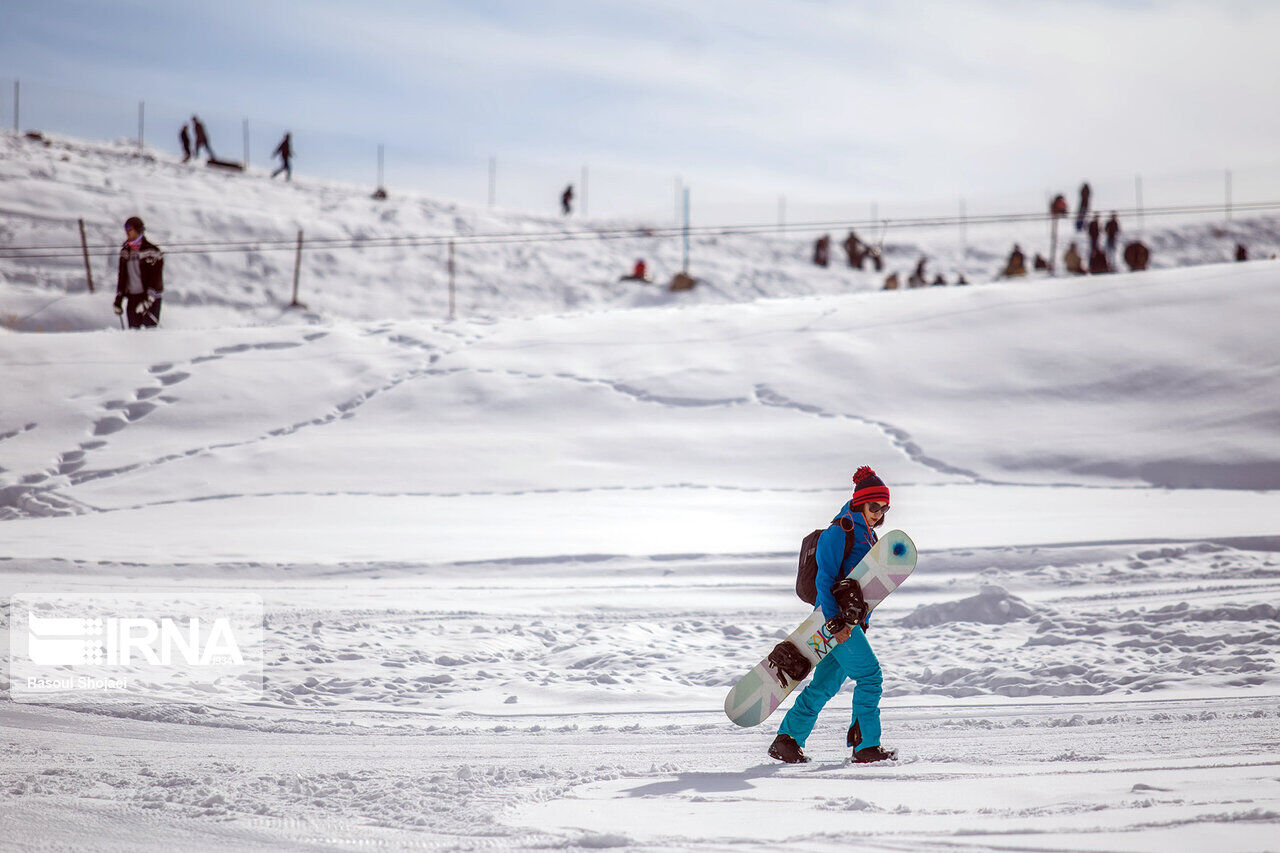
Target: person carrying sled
[(852, 658), (139, 277)]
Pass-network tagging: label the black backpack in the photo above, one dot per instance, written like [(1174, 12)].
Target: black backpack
[(807, 575)]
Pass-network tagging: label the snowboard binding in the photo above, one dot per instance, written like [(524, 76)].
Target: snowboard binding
[(852, 604), (786, 661)]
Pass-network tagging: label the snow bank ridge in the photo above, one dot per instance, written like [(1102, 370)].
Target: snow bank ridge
[(993, 606)]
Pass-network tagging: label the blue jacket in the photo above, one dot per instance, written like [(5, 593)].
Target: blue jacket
[(831, 549)]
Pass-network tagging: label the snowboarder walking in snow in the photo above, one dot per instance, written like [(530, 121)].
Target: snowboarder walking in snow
[(566, 200), (285, 152), (184, 136), (852, 658), (202, 138), (139, 277)]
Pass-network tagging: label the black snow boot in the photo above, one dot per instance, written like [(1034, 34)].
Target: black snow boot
[(785, 748), (874, 753)]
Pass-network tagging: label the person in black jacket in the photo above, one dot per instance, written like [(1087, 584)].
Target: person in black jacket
[(139, 278), (184, 137), (202, 138), (285, 152)]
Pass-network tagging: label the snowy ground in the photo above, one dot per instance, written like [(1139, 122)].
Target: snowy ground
[(511, 566)]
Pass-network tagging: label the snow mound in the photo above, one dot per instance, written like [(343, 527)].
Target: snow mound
[(992, 606)]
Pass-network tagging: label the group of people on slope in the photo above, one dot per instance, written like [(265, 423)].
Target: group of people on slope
[(855, 250), (284, 150)]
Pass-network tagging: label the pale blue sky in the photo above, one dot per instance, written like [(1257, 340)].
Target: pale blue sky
[(896, 101)]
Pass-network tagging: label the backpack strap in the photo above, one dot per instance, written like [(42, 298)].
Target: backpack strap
[(846, 525)]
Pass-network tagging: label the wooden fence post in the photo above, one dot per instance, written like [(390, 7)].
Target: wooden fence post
[(297, 271), (452, 285), (84, 247)]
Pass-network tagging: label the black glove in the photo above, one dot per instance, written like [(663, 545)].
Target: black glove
[(116, 306), (838, 628)]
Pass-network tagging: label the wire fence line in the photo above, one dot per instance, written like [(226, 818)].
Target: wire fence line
[(197, 247)]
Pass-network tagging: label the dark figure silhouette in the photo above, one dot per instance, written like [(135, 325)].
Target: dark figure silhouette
[(1112, 230), (1075, 263), (202, 138), (566, 201), (1083, 210), (1098, 261), (822, 250), (939, 281), (1040, 263), (184, 136), (1137, 255), (1017, 264), (855, 250), (1059, 205), (285, 152), (1242, 254), (1095, 231), (917, 278)]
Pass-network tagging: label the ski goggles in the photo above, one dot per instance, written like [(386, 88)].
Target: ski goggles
[(877, 509)]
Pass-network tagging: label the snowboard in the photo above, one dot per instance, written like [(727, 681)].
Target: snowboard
[(759, 693)]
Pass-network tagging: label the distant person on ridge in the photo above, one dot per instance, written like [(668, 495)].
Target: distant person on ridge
[(566, 201), (1242, 254), (855, 250), (184, 136), (822, 250), (1112, 230), (1075, 263), (1083, 210), (1098, 261), (852, 658), (891, 281), (139, 277), (285, 152), (1137, 255), (1017, 264), (639, 272), (202, 138), (917, 278), (1095, 232)]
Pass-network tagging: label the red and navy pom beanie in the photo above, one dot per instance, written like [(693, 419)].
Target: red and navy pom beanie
[(868, 487)]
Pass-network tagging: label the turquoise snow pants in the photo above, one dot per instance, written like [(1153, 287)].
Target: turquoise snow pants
[(851, 659)]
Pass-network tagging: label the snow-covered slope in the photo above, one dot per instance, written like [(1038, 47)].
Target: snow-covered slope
[(511, 565), (44, 189)]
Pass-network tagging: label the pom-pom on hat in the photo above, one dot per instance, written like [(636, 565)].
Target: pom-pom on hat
[(868, 487)]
